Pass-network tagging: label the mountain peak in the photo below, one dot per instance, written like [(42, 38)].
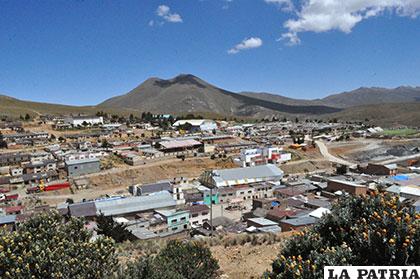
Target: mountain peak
[(184, 79)]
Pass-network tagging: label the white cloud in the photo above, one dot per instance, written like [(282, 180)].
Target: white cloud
[(253, 42), (286, 5), (342, 15), (165, 12)]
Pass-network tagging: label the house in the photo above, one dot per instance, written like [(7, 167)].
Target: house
[(261, 156), (26, 136), (76, 121), (146, 189), (129, 207), (237, 176), (7, 222), (179, 145), (8, 159), (319, 212), (297, 223), (381, 169), (84, 209), (177, 221), (40, 166), (83, 166), (277, 214), (34, 178), (351, 187), (219, 223), (196, 124), (16, 171), (199, 214), (260, 222)]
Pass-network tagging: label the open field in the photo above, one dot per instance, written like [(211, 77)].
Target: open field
[(401, 132)]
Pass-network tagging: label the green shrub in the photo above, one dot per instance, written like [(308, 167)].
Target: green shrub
[(178, 260)]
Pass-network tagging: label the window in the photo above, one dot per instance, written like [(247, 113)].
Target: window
[(174, 221), (204, 213), (174, 228), (183, 218), (185, 226), (250, 191), (242, 193), (194, 215)]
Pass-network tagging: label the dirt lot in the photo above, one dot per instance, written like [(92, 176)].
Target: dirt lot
[(306, 166), (245, 261), (116, 181), (365, 150)]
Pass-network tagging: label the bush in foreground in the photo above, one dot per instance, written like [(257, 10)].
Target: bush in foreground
[(369, 230), (47, 247), (178, 260)]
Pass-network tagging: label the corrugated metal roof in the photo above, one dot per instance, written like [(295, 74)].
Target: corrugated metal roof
[(82, 161), (8, 219), (179, 143), (263, 221), (246, 175), (84, 209), (135, 204), (301, 221)]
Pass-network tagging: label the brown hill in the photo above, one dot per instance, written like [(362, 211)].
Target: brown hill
[(190, 94)]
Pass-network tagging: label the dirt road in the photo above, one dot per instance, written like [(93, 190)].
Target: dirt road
[(324, 151)]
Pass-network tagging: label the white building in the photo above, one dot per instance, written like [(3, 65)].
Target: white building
[(199, 214), (197, 124), (79, 120), (261, 156), (238, 176)]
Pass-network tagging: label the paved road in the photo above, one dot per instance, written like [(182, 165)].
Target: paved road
[(328, 156)]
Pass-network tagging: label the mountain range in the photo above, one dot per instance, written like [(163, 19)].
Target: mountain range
[(187, 93)]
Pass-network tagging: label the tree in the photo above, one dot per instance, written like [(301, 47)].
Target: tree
[(85, 124), (178, 260), (375, 230), (105, 144), (108, 227), (27, 117), (47, 246), (3, 143)]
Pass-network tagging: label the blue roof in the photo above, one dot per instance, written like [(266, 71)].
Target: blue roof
[(8, 219), (400, 177)]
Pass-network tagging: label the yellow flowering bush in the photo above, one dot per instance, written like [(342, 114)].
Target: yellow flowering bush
[(47, 246), (369, 230)]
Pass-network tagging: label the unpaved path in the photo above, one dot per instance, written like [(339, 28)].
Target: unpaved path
[(328, 156)]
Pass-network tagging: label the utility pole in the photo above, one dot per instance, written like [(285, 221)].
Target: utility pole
[(207, 180), (211, 211)]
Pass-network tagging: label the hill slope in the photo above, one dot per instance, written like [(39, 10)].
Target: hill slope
[(360, 97), (188, 93), (14, 107), (374, 95)]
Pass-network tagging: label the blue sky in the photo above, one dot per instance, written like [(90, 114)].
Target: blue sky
[(84, 51)]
